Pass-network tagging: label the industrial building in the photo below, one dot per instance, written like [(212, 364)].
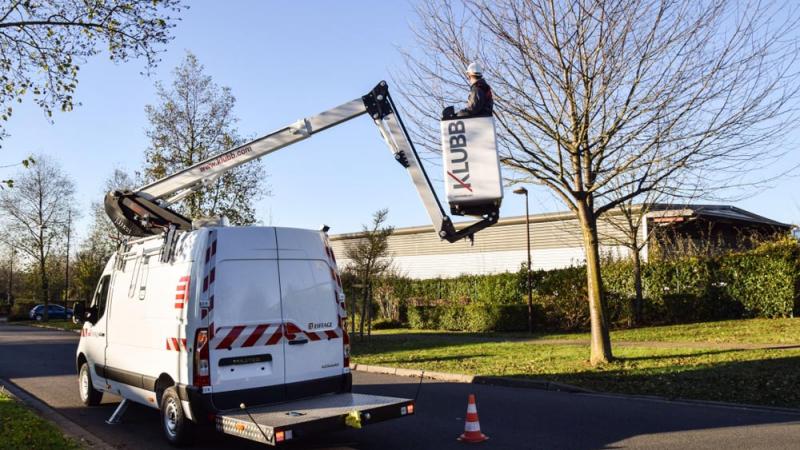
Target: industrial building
[(556, 240)]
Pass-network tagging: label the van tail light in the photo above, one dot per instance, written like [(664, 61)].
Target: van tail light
[(202, 372)]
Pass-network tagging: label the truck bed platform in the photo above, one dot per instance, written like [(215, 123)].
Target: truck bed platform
[(283, 422)]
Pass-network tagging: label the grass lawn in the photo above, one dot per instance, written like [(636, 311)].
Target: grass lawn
[(63, 324), (766, 377), (753, 331), (22, 428), (748, 331)]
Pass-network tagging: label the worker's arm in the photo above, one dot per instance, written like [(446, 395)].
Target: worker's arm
[(475, 102)]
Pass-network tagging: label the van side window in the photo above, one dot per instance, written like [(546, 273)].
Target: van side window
[(101, 296)]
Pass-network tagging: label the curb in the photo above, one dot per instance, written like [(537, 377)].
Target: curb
[(472, 379), (559, 387), (68, 427)]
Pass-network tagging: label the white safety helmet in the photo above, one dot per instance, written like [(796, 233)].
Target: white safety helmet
[(474, 69)]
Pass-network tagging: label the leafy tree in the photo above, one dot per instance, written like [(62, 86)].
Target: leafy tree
[(42, 44), (87, 268), (35, 215), (369, 258), (9, 183), (193, 121)]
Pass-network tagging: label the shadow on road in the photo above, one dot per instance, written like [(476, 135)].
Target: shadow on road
[(769, 382)]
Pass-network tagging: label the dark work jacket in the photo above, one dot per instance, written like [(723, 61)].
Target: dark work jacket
[(480, 102)]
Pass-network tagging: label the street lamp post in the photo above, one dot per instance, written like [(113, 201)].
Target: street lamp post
[(523, 191), (66, 275)]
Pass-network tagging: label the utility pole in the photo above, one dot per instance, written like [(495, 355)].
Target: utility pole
[(66, 275), (523, 191)]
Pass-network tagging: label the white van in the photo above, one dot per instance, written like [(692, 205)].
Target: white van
[(243, 327)]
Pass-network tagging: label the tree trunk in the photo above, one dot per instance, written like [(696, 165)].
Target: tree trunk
[(369, 314), (600, 338), (44, 288), (352, 318), (364, 310), (638, 300)]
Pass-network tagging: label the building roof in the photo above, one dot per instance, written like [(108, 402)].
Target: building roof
[(719, 212), (664, 210)]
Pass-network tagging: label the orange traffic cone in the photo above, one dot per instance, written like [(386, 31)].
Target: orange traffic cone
[(472, 428)]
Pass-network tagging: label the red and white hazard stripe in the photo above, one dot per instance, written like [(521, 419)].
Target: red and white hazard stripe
[(292, 330), (241, 336), (182, 292), (340, 303), (176, 344), (209, 277)]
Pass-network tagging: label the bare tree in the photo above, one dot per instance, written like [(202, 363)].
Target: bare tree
[(627, 224), (35, 215), (193, 121), (102, 239), (369, 258), (595, 96), (43, 43)]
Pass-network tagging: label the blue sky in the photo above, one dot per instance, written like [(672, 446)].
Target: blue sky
[(283, 61)]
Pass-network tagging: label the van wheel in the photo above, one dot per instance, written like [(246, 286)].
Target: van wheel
[(177, 428), (89, 395)]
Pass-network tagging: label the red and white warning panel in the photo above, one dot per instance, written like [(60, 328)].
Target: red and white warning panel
[(471, 166)]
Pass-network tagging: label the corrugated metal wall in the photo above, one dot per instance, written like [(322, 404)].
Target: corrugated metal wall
[(555, 242)]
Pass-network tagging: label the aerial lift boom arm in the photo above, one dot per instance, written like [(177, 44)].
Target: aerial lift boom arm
[(145, 211)]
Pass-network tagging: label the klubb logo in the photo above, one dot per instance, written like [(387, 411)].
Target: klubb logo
[(459, 156), (471, 167)]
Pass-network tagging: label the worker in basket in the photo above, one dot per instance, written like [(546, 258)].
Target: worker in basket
[(480, 102)]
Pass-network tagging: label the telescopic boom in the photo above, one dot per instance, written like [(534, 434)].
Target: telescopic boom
[(145, 211)]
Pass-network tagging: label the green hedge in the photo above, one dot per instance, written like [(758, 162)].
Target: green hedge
[(20, 310), (472, 317), (764, 282)]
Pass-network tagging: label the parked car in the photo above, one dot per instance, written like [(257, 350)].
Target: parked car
[(53, 312)]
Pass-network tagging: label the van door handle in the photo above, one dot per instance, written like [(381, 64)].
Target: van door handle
[(298, 342), (100, 333)]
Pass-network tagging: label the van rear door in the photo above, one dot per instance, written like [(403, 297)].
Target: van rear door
[(314, 354), (246, 349)]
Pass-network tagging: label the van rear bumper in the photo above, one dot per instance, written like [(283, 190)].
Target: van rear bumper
[(206, 406)]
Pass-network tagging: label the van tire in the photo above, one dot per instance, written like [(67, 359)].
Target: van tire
[(174, 423), (89, 395)]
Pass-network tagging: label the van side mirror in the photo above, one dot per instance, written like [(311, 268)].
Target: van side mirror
[(78, 312), (91, 315)]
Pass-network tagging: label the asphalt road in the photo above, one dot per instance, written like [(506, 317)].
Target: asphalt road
[(42, 363)]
